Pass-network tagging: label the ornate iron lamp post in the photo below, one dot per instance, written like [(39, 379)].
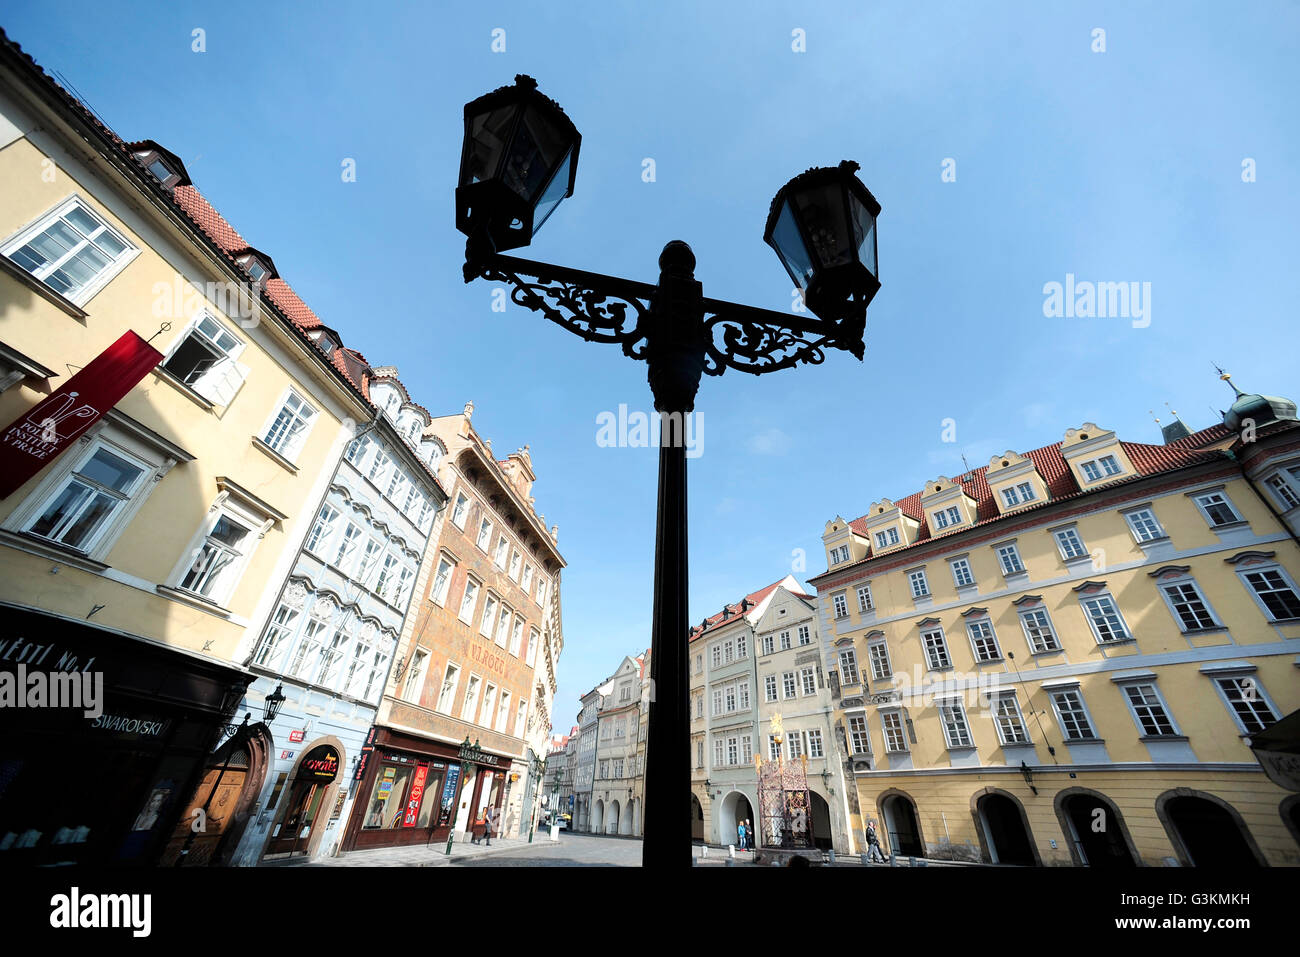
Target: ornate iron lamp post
[(519, 160)]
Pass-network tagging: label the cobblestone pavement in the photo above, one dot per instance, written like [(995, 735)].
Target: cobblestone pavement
[(571, 850)]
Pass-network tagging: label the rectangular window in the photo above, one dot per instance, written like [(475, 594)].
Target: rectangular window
[(387, 577), (1149, 710), (1009, 497), (1189, 606), (503, 626), (460, 510), (1010, 723), (517, 636), (1069, 542), (515, 561), (369, 561), (1286, 487), (288, 431), (1276, 594), (540, 598), (1009, 559), (858, 734), (768, 644), (415, 675), (1144, 525), (733, 750), (484, 535), (788, 685), (1218, 510), (345, 554), (864, 598), (795, 738), (840, 604), (521, 716), (773, 749), (848, 667), (502, 553), (1091, 471), (489, 705), (805, 635), (742, 647), (808, 681), (278, 637), (717, 752), (983, 641), (955, 729), (503, 711), (716, 655), (527, 581), (1247, 703), (378, 474), (1072, 714), (769, 687), (447, 696), (746, 749), (728, 651), (304, 656), (920, 586), (892, 722), (1107, 625), (468, 601), (744, 696), (323, 530), (717, 702), (442, 580), (936, 649), (82, 509), (219, 559), (878, 652), (815, 748), (205, 360), (1038, 631), (961, 573), (533, 636), (729, 698), (489, 616), (785, 641), (1026, 491), (1109, 465), (72, 250)]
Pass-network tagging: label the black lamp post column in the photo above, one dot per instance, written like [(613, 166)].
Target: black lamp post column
[(675, 354)]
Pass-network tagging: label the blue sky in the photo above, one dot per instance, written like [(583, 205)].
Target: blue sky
[(1123, 165)]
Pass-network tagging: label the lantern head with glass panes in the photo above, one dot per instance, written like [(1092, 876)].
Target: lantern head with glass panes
[(823, 226), (519, 159)]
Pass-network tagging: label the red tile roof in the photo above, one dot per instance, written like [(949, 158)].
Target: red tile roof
[(732, 611), (1056, 473)]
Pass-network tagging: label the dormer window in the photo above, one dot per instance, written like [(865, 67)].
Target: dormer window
[(256, 270), (945, 517), (840, 554), (1018, 494), (887, 538), (1100, 468), (160, 171), (324, 341)]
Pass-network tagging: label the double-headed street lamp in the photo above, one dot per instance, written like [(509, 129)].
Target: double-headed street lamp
[(518, 161)]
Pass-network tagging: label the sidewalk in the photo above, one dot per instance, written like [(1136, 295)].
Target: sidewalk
[(421, 855)]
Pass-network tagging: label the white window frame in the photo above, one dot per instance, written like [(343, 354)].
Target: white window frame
[(1275, 569), (485, 528), (1284, 486), (471, 590), (849, 673), (416, 672), (1198, 596), (878, 656), (447, 695), (324, 532), (769, 688), (1016, 714), (229, 577), (952, 716), (981, 624), (1051, 630), (287, 443), (220, 382), (1148, 683), (934, 648), (859, 734), (805, 635), (789, 685), (768, 644), (51, 487), (1253, 686), (462, 507), (1199, 500), (1067, 539), (78, 297), (1086, 600), (807, 681), (894, 732), (865, 603), (534, 638), (964, 563), (1005, 550), (840, 604), (1138, 527), (442, 582), (1074, 689), (918, 575)]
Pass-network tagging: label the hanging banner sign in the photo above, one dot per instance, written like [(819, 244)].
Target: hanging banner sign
[(417, 793), (33, 441)]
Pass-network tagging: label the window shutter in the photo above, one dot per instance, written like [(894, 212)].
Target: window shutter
[(222, 381)]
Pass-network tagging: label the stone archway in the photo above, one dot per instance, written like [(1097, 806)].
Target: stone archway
[(627, 823), (902, 824), (733, 809), (820, 826), (697, 819), (1003, 828), (1207, 831), (1094, 830), (597, 817), (611, 826)]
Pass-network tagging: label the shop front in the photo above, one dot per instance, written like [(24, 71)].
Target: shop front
[(415, 791), (145, 724)]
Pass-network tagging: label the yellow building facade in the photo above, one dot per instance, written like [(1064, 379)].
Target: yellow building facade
[(1059, 659), (149, 546)]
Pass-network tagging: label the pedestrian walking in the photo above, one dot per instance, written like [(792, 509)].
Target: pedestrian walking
[(740, 833), (749, 834), (489, 821), (873, 843)]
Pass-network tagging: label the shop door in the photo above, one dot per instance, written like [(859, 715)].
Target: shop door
[(295, 829), (489, 795), (210, 813)]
